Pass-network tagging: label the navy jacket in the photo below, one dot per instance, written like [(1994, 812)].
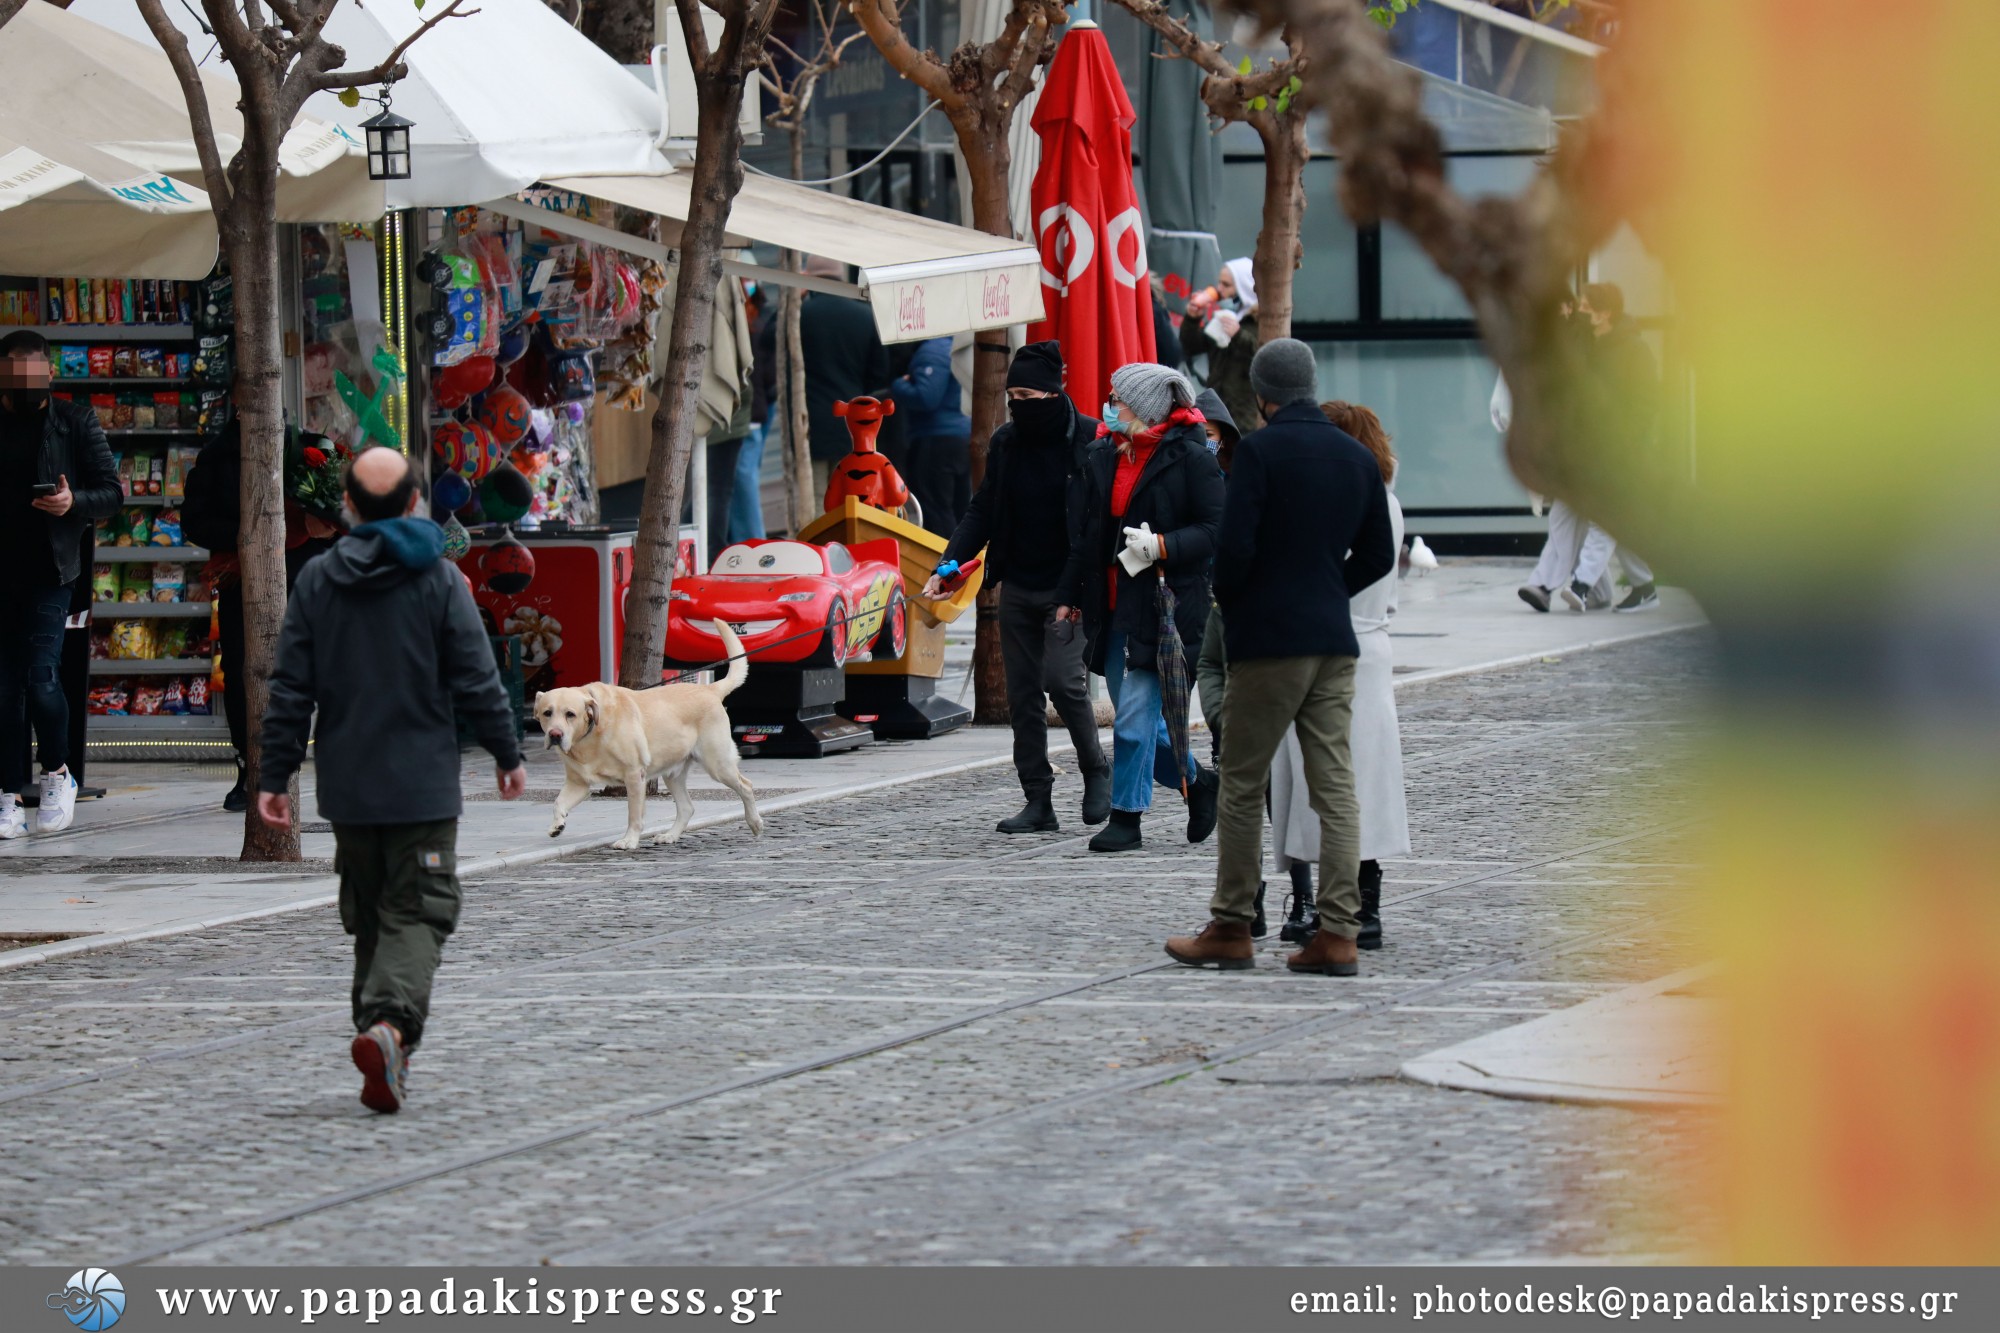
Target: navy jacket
[(929, 395), (382, 636), (1306, 525)]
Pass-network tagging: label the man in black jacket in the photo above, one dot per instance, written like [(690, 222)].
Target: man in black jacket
[(1305, 525), (1025, 516), (56, 478), (382, 636), (844, 359)]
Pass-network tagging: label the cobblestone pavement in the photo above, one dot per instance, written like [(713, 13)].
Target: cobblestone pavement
[(885, 1033)]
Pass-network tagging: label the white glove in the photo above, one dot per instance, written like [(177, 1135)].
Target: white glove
[(1142, 548)]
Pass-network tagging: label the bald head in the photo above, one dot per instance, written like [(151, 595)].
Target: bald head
[(381, 484)]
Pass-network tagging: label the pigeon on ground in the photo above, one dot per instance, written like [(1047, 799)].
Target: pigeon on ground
[(1421, 556)]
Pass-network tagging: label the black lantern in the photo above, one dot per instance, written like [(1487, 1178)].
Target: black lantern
[(388, 145)]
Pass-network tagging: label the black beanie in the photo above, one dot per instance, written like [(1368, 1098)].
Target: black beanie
[(1037, 366)]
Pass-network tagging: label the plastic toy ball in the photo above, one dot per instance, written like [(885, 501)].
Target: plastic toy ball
[(504, 412), (465, 447), (451, 491), (509, 567), (505, 494), (454, 386)]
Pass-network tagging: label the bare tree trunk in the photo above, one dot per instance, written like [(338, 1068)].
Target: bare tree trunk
[(990, 214), (718, 175), (251, 242), (1278, 247), (801, 503)]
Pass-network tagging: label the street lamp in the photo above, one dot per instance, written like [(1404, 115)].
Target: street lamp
[(388, 145)]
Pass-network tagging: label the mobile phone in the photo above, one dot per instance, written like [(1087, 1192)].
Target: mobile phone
[(42, 490)]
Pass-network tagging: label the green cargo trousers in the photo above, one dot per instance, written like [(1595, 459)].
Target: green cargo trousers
[(399, 900), (1266, 696)]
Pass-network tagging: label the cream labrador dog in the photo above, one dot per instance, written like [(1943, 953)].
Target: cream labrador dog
[(610, 734)]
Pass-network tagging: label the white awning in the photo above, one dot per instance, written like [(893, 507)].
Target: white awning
[(924, 278)]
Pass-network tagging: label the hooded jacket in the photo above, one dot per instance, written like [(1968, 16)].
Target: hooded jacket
[(383, 638)]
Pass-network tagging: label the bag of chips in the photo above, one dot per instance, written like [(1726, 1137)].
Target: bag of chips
[(131, 640), (104, 583), (171, 639), (147, 697), (197, 696), (135, 583), (138, 523), (173, 699), (169, 581), (167, 528), (109, 699)]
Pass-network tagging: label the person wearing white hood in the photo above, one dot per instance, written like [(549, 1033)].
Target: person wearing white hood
[(1221, 323)]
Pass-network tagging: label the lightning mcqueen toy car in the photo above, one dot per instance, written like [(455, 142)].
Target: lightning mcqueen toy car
[(793, 604)]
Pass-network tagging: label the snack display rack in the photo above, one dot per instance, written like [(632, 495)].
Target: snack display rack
[(130, 348)]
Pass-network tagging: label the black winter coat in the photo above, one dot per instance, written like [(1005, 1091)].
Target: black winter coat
[(73, 446), (844, 359), (1306, 526), (987, 520), (1180, 496)]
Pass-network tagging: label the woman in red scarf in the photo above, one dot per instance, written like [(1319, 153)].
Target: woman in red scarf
[(1154, 503)]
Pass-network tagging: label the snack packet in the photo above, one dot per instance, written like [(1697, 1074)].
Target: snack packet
[(131, 640), (104, 583), (167, 528), (147, 697), (197, 696), (173, 698), (169, 581)]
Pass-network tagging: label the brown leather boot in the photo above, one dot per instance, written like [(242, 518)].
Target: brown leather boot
[(1224, 945), (1328, 953)]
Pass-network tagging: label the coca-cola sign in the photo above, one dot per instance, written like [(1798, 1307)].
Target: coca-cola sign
[(912, 316), (996, 298)]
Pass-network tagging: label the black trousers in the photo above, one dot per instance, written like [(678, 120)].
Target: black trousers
[(1042, 667), (939, 472)]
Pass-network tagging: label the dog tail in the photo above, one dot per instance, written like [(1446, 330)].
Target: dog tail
[(739, 662)]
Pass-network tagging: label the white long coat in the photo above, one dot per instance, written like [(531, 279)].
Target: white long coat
[(1376, 741)]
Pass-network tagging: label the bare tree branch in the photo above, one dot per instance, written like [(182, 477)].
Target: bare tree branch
[(883, 24), (393, 62), (214, 179)]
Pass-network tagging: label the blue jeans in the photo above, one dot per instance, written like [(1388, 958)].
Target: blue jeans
[(746, 503), (1141, 754), (31, 693)]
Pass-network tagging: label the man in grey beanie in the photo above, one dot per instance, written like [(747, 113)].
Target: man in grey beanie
[(1305, 524)]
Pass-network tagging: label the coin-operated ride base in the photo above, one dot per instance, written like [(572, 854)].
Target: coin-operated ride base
[(899, 699), (793, 714)]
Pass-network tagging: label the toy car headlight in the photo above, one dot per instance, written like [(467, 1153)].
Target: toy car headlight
[(795, 597), (676, 595)]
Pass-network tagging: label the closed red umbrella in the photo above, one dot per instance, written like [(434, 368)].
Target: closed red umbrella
[(1095, 291)]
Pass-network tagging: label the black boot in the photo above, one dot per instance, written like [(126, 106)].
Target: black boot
[(1371, 906), (1301, 916), (1120, 835), (1258, 926), (238, 800), (1096, 795), (1037, 816), (1202, 793)]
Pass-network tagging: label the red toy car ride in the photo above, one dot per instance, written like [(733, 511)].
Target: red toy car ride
[(793, 604)]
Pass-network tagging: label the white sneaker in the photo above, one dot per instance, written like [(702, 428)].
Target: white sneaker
[(13, 820), (58, 802)]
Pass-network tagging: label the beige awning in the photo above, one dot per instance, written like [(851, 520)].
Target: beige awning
[(924, 278)]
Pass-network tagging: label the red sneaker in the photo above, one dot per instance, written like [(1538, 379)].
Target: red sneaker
[(378, 1054)]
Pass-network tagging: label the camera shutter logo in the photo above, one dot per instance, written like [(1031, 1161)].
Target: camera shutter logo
[(93, 1299)]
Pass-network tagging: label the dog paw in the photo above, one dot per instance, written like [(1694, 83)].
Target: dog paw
[(756, 828), (665, 839), (555, 830), (628, 843)]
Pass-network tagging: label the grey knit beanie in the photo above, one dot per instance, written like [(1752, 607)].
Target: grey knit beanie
[(1284, 372), (1151, 391)]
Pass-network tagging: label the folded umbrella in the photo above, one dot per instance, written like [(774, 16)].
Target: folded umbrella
[(1171, 663)]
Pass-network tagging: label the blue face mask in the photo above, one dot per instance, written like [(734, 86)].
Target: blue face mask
[(1112, 420)]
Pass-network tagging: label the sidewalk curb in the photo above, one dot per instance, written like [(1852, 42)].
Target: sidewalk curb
[(327, 896), (558, 850)]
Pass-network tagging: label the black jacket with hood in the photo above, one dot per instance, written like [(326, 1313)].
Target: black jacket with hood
[(988, 521), (382, 636), (73, 446), (1179, 494)]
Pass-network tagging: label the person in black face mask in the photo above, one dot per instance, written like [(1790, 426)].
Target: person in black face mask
[(1025, 516), (56, 478)]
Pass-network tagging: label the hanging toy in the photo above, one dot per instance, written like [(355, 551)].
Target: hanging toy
[(453, 386), (368, 411), (505, 494), (457, 541), (504, 412), (465, 447), (508, 566), (451, 491), (513, 344)]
